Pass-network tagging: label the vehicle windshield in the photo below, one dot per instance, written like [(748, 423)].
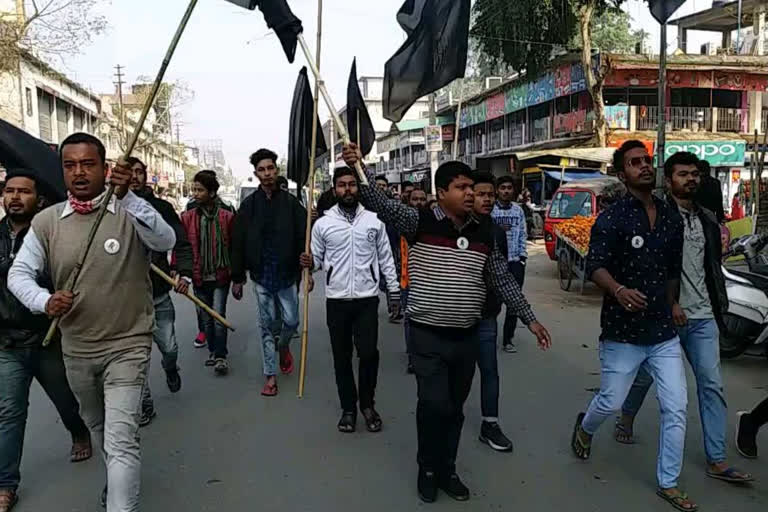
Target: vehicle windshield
[(568, 204)]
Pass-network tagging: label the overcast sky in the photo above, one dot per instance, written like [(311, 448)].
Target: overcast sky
[(243, 84)]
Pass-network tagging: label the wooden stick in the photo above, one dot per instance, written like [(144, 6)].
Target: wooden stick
[(191, 296), (72, 281), (308, 239), (329, 103)]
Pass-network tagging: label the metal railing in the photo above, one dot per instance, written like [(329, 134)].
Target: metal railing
[(496, 140), (695, 119), (732, 119), (765, 120)]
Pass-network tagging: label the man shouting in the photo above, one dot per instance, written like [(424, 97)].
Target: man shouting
[(107, 323)]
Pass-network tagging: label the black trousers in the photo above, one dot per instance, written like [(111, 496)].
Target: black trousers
[(517, 269), (354, 323), (444, 363)]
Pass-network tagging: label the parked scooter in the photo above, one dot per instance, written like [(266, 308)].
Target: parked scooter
[(746, 322)]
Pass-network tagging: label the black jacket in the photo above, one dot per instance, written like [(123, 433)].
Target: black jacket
[(18, 326), (289, 220), (325, 202), (182, 249), (710, 196), (713, 257)]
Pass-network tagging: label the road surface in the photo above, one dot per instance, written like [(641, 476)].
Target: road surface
[(219, 445)]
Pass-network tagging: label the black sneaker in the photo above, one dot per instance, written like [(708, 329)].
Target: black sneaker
[(427, 486), (491, 434), (453, 487), (746, 436), (510, 348), (173, 379), (147, 415), (103, 498)]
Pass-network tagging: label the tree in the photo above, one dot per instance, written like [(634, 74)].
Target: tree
[(47, 29), (612, 32), (527, 34)]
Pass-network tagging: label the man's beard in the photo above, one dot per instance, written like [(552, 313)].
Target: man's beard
[(20, 218), (349, 202)]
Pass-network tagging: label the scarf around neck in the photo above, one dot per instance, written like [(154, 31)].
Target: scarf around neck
[(213, 252), (85, 207)]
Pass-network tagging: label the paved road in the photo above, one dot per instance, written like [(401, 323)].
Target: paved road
[(219, 446)]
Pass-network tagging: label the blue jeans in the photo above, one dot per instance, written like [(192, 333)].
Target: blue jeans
[(215, 296), (165, 339), (701, 343), (287, 301), (18, 366), (620, 363), (487, 362)]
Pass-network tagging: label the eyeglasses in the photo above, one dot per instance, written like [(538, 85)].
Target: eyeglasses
[(638, 160)]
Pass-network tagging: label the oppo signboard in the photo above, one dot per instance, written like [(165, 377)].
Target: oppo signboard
[(717, 153)]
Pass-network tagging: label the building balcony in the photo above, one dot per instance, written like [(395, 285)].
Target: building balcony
[(696, 119)]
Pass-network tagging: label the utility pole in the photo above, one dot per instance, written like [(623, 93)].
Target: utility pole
[(119, 84), (434, 157), (661, 133)]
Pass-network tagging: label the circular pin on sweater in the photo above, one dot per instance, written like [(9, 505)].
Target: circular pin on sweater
[(462, 243), (637, 242), (111, 246)]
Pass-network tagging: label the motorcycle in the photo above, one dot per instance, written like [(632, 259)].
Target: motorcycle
[(746, 322)]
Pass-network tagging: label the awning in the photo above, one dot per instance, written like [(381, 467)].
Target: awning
[(601, 155), (574, 176)]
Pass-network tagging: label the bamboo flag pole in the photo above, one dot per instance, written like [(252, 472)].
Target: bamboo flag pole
[(329, 103), (72, 282), (191, 296), (308, 239)]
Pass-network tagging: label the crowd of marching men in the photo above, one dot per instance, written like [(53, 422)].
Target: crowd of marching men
[(447, 270)]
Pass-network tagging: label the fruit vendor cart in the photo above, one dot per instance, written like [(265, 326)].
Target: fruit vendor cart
[(571, 248)]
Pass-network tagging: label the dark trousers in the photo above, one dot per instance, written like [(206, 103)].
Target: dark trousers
[(18, 366), (517, 269), (444, 363), (215, 296), (487, 362), (354, 324), (760, 413)]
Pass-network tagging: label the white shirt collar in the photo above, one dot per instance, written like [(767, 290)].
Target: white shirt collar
[(68, 210)]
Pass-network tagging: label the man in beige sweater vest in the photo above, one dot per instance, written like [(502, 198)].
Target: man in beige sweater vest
[(107, 323)]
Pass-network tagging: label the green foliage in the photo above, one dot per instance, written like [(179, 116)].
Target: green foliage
[(612, 32)]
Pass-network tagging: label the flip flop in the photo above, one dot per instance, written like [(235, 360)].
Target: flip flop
[(621, 430), (677, 501), (731, 475), (576, 441), (269, 390), (82, 454)]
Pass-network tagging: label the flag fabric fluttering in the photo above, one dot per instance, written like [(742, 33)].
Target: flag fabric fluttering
[(662, 10), (434, 54), (279, 18), (356, 109), (18, 149), (300, 136)]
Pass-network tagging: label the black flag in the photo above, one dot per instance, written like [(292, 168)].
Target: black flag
[(663, 9), (18, 149), (434, 54), (279, 18), (300, 136), (356, 109)]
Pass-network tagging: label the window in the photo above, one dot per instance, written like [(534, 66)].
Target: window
[(44, 113), (566, 205), (29, 102), (62, 119)]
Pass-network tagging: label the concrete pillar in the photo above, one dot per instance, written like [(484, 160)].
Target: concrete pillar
[(633, 118), (727, 41), (682, 38), (755, 99), (714, 119), (761, 32)]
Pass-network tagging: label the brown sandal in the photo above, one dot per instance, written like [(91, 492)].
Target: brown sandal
[(679, 501), (8, 499), (81, 450)]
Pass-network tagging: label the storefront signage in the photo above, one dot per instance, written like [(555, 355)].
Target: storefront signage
[(434, 138), (386, 144), (449, 131), (617, 117), (563, 80), (494, 107), (717, 153), (572, 122)]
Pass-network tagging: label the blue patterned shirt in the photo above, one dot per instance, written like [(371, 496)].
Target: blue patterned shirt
[(512, 220), (638, 257)]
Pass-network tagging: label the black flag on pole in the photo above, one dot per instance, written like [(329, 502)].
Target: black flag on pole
[(434, 54), (356, 109), (663, 9), (279, 18), (300, 136), (18, 149)]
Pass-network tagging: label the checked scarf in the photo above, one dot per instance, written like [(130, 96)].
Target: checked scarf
[(85, 207), (214, 254)]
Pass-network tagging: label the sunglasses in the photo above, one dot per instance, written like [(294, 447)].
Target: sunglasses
[(638, 160)]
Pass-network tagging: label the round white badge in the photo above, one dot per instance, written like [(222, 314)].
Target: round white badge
[(637, 242), (111, 246), (462, 243)]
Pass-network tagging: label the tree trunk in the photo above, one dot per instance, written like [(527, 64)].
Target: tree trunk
[(594, 83)]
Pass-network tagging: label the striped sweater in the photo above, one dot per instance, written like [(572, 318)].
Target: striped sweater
[(450, 268)]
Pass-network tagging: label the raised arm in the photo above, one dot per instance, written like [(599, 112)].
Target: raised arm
[(392, 212), (153, 231)]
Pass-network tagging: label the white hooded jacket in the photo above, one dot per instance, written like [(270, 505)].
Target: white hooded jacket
[(351, 255)]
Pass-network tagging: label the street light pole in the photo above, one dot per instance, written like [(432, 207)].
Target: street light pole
[(662, 109)]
